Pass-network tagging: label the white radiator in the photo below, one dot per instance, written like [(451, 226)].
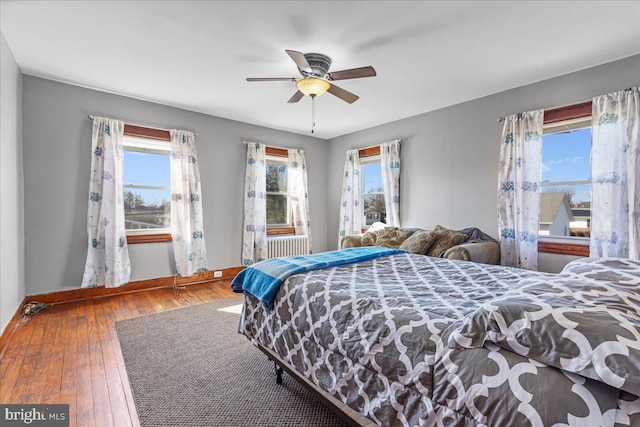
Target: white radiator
[(287, 245)]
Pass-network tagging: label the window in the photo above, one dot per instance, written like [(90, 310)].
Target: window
[(374, 209), (565, 199), (147, 189), (565, 202), (279, 217), (278, 212)]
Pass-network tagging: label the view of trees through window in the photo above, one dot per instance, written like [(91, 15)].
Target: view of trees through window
[(147, 190), (277, 198), (565, 202), (374, 209)]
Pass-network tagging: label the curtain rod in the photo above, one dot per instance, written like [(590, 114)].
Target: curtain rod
[(375, 145), (245, 142), (91, 117), (501, 118)]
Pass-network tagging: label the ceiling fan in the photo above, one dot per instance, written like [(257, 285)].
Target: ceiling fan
[(316, 78)]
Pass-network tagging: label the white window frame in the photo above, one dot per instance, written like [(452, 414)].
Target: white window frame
[(150, 146), (285, 162), (551, 129), (367, 161)]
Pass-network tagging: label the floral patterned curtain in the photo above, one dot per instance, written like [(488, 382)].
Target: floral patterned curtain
[(615, 175), (518, 189), (107, 255), (254, 241), (390, 164), (187, 232), (350, 208), (298, 192)]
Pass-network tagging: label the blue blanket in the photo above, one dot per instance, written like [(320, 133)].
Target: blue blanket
[(263, 279)]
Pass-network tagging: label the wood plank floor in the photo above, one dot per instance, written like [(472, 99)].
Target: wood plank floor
[(70, 353)]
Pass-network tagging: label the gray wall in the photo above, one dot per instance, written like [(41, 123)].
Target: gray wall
[(450, 156), (12, 284), (450, 163), (57, 146)]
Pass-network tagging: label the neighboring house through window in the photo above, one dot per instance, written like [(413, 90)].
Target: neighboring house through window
[(374, 209), (565, 200)]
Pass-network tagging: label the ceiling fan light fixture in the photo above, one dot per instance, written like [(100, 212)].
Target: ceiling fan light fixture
[(313, 86)]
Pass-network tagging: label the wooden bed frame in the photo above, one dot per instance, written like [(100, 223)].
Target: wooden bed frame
[(347, 414)]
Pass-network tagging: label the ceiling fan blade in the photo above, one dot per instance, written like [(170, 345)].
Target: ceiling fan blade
[(271, 79), (354, 73), (300, 60), (343, 94), (296, 97)]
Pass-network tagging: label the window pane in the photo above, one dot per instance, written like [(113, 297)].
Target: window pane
[(147, 169), (147, 209), (276, 209), (373, 194), (565, 210), (276, 178), (374, 209), (566, 156), (372, 178)]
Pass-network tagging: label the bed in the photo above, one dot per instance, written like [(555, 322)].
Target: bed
[(409, 340)]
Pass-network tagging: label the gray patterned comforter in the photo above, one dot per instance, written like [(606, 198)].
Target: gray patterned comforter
[(392, 338)]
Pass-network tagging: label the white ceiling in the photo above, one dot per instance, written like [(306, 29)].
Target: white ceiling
[(428, 55)]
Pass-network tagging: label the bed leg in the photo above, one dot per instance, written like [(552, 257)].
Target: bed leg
[(278, 373)]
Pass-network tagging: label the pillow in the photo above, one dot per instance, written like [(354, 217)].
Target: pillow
[(350, 242), (377, 226), (587, 327), (419, 242), (444, 240), (619, 270), (368, 238), (392, 237)]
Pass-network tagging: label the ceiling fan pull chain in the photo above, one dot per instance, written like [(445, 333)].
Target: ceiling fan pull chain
[(313, 112)]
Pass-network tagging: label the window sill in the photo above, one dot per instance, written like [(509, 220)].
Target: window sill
[(148, 238), (572, 246), (280, 231)]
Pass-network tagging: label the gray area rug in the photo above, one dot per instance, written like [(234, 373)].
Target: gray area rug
[(190, 367)]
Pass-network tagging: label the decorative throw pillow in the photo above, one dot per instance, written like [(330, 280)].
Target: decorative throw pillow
[(369, 238), (377, 226), (382, 232), (392, 237), (444, 240), (350, 242), (419, 242)]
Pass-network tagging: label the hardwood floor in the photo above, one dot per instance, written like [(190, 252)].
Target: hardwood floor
[(70, 353)]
